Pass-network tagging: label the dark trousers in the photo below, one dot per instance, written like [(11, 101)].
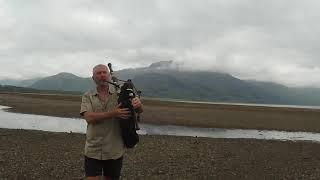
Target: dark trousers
[(109, 168)]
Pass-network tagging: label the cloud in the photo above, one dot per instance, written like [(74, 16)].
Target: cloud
[(266, 40)]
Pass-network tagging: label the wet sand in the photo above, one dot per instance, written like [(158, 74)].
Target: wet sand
[(29, 154)]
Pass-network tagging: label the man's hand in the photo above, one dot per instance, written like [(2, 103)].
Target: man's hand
[(122, 113), (136, 103)]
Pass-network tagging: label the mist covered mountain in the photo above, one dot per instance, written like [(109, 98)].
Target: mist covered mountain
[(162, 80), (63, 82), (20, 83)]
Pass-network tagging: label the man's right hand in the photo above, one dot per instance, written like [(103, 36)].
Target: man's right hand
[(122, 113)]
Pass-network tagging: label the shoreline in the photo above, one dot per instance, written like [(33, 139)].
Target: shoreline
[(291, 106), (174, 113), (12, 110)]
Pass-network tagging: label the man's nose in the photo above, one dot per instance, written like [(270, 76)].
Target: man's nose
[(104, 75)]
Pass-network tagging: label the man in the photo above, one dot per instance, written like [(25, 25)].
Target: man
[(104, 147)]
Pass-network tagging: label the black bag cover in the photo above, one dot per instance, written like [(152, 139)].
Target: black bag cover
[(128, 126)]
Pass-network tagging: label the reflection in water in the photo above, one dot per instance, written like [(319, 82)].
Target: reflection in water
[(37, 122), (56, 124)]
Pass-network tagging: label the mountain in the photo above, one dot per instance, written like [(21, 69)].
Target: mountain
[(19, 83), (205, 86), (308, 96), (162, 80), (130, 73), (9, 88), (63, 82)]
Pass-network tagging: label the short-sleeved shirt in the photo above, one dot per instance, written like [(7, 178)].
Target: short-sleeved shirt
[(103, 139)]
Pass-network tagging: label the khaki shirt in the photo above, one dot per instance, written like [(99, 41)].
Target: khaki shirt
[(103, 139)]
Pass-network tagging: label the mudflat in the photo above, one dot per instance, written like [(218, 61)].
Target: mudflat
[(177, 113)]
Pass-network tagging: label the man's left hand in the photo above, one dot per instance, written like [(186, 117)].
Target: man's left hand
[(136, 103)]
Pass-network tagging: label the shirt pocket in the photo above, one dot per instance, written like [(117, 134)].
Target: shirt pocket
[(97, 105)]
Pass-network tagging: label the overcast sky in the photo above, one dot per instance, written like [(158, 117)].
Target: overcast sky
[(268, 40)]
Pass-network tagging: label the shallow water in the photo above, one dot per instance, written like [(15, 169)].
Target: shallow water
[(55, 124)]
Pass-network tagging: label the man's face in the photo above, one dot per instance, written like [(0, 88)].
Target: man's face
[(100, 75)]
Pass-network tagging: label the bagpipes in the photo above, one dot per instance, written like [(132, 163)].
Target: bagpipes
[(128, 126)]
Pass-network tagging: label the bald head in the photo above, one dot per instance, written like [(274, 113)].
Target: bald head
[(99, 67), (100, 74)]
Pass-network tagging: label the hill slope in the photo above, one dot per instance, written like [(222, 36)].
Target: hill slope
[(160, 80)]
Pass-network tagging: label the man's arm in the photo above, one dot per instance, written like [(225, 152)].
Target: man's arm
[(95, 117)]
